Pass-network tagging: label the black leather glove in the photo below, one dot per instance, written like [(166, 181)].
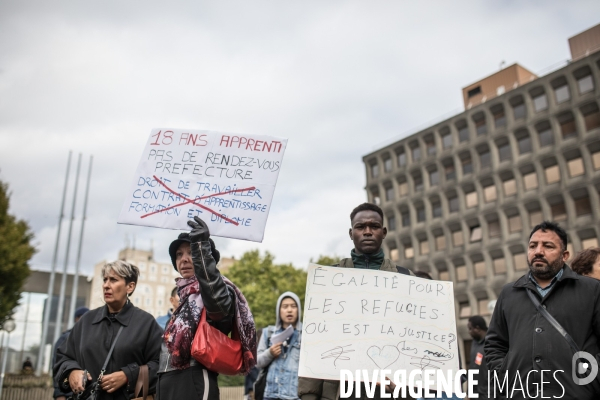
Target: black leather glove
[(200, 232)]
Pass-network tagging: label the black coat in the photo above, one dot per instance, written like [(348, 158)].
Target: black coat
[(521, 340), (57, 389), (479, 365), (91, 338)]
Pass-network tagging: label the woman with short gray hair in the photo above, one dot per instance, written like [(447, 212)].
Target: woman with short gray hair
[(81, 357), (125, 270)]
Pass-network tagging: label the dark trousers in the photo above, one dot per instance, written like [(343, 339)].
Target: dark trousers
[(192, 383)]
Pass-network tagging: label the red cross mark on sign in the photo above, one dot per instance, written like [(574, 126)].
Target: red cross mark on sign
[(194, 201)]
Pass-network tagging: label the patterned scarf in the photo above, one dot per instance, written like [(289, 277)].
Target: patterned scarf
[(182, 327)]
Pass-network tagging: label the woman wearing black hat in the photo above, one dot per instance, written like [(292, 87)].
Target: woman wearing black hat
[(201, 286)]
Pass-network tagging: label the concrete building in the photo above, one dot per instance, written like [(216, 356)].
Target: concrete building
[(37, 282), (460, 197), (154, 284), (28, 317)]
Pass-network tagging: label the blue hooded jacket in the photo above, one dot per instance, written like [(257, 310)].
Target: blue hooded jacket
[(282, 378)]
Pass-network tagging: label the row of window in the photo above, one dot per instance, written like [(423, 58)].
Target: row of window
[(523, 141), (158, 291), (480, 270), (498, 262), (154, 278), (147, 302), (465, 310), (539, 98), (153, 268), (490, 228), (575, 167)]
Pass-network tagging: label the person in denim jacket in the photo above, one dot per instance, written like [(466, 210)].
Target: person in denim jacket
[(282, 359)]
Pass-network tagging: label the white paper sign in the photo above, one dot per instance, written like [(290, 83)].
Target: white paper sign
[(358, 319), (226, 179), (283, 335)]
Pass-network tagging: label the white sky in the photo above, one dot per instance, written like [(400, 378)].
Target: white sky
[(337, 78)]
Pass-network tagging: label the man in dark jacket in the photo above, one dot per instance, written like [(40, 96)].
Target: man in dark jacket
[(524, 352), (477, 330), (367, 233)]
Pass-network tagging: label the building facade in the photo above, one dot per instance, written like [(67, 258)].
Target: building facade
[(461, 197)]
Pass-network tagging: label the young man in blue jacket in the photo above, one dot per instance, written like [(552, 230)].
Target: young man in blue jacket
[(282, 358)]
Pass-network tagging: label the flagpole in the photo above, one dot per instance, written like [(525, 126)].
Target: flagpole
[(52, 273)]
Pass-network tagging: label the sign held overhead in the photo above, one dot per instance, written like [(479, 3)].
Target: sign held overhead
[(226, 179)]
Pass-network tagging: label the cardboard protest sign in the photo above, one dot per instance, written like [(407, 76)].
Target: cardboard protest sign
[(358, 319), (226, 179)]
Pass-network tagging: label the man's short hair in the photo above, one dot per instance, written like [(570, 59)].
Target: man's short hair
[(477, 321), (366, 207), (174, 291), (551, 226), (423, 274), (583, 263), (81, 311)]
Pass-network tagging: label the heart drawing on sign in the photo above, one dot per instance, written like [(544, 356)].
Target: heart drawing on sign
[(383, 357)]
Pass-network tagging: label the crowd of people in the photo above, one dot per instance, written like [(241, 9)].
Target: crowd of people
[(119, 351)]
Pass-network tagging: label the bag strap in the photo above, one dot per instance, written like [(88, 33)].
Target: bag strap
[(552, 321), (143, 382), (112, 347), (269, 334)]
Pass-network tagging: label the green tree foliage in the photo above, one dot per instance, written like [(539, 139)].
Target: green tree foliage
[(15, 253), (262, 282), (326, 260)]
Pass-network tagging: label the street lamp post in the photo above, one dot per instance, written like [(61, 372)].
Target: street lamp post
[(8, 326)]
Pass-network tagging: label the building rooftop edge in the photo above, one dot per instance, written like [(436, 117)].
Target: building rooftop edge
[(393, 142), (513, 65)]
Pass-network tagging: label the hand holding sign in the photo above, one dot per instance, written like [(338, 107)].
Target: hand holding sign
[(200, 231), (275, 350)]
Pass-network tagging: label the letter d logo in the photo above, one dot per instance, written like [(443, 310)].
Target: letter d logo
[(577, 366)]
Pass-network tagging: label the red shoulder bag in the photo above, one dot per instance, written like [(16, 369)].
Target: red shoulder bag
[(215, 350)]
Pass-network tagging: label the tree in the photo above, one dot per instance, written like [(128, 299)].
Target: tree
[(326, 260), (262, 282), (15, 253)]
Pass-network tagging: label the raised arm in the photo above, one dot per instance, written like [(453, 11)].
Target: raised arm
[(217, 298)]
